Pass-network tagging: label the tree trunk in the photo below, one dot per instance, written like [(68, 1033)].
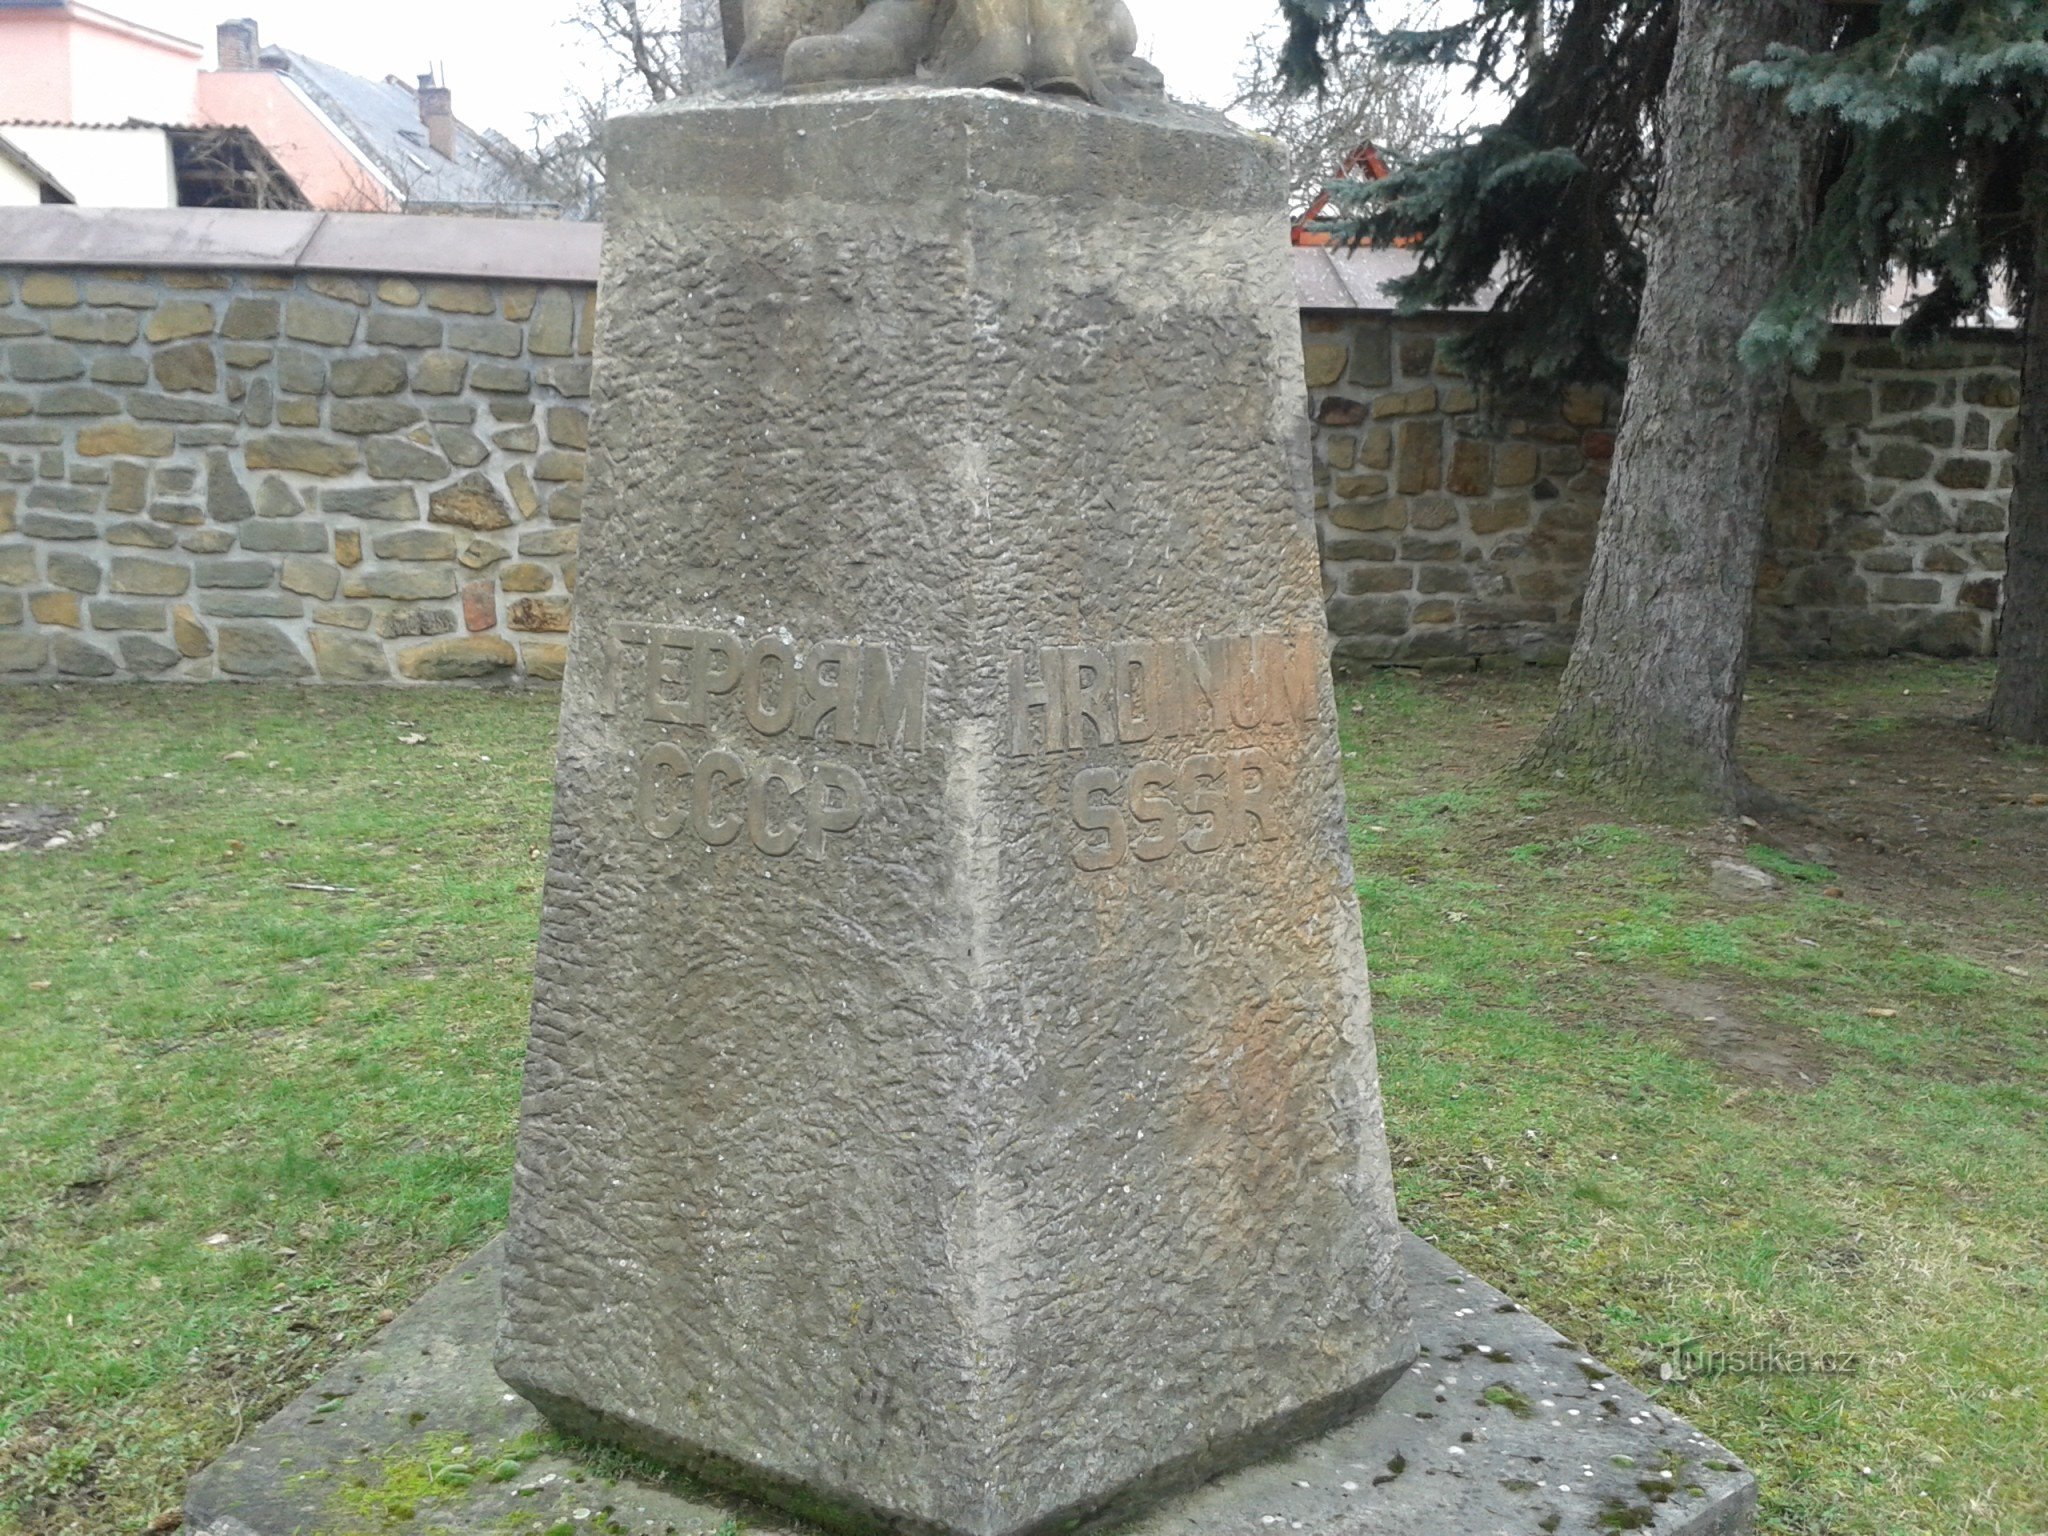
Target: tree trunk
[(1653, 693), (2019, 702)]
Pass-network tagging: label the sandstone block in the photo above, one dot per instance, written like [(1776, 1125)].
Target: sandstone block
[(179, 319), (398, 291), (346, 290), (367, 418), (1471, 471), (410, 331), (461, 299), (251, 320), (492, 338), (80, 573), (302, 454), (410, 582), (189, 634), (76, 400), (242, 574), (1324, 363), (540, 615), (251, 605), (1420, 460), (154, 407), (464, 449), (127, 613), (571, 379), (552, 330), (259, 650), (283, 536), (479, 606), (444, 661), (472, 503), (148, 578), (126, 438), (345, 658), (556, 466), (548, 543), (1585, 407), (524, 577), (200, 541), (348, 547), (482, 554), (395, 458), (544, 661), (1515, 465), (501, 378), (120, 370), (120, 293), (63, 610), (80, 658), (322, 324), (23, 653), (414, 621), (377, 503), (344, 615), (147, 655), (48, 290), (381, 374), (17, 564), (301, 373), (440, 373), (105, 328), (415, 544), (310, 577)]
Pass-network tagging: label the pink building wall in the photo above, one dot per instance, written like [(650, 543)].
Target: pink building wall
[(121, 70), (35, 87), (261, 100)]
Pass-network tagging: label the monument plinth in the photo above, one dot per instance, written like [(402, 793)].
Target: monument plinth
[(951, 1105)]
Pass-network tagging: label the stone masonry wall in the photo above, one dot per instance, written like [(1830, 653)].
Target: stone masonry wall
[(267, 476), (1888, 529), (380, 479), (1456, 526)]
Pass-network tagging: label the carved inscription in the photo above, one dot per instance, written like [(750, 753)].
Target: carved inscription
[(844, 693), (1066, 698), (1153, 694)]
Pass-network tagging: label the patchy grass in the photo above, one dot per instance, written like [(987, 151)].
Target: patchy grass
[(1696, 1136), (243, 1120), (1682, 1131)]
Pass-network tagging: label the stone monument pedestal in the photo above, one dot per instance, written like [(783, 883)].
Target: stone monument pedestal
[(1500, 1428), (952, 1106)]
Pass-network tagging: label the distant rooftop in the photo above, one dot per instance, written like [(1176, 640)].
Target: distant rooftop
[(383, 119)]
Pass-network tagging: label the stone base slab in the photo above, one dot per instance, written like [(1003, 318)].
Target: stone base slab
[(1501, 1428)]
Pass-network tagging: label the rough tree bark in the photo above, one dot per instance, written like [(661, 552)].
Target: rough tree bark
[(1653, 694), (2019, 702)]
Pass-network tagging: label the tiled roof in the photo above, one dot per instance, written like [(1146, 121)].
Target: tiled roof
[(383, 118)]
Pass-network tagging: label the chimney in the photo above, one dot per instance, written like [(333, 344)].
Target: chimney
[(437, 111), (237, 45)]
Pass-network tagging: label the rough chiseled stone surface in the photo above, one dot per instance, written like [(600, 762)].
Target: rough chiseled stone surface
[(202, 442), (1500, 1426), (956, 1111)]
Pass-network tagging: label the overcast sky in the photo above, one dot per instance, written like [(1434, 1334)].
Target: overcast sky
[(507, 59)]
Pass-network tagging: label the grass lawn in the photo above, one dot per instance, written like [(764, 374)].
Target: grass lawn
[(245, 1119)]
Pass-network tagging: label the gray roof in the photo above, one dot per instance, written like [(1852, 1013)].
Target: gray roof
[(383, 118), (15, 155)]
